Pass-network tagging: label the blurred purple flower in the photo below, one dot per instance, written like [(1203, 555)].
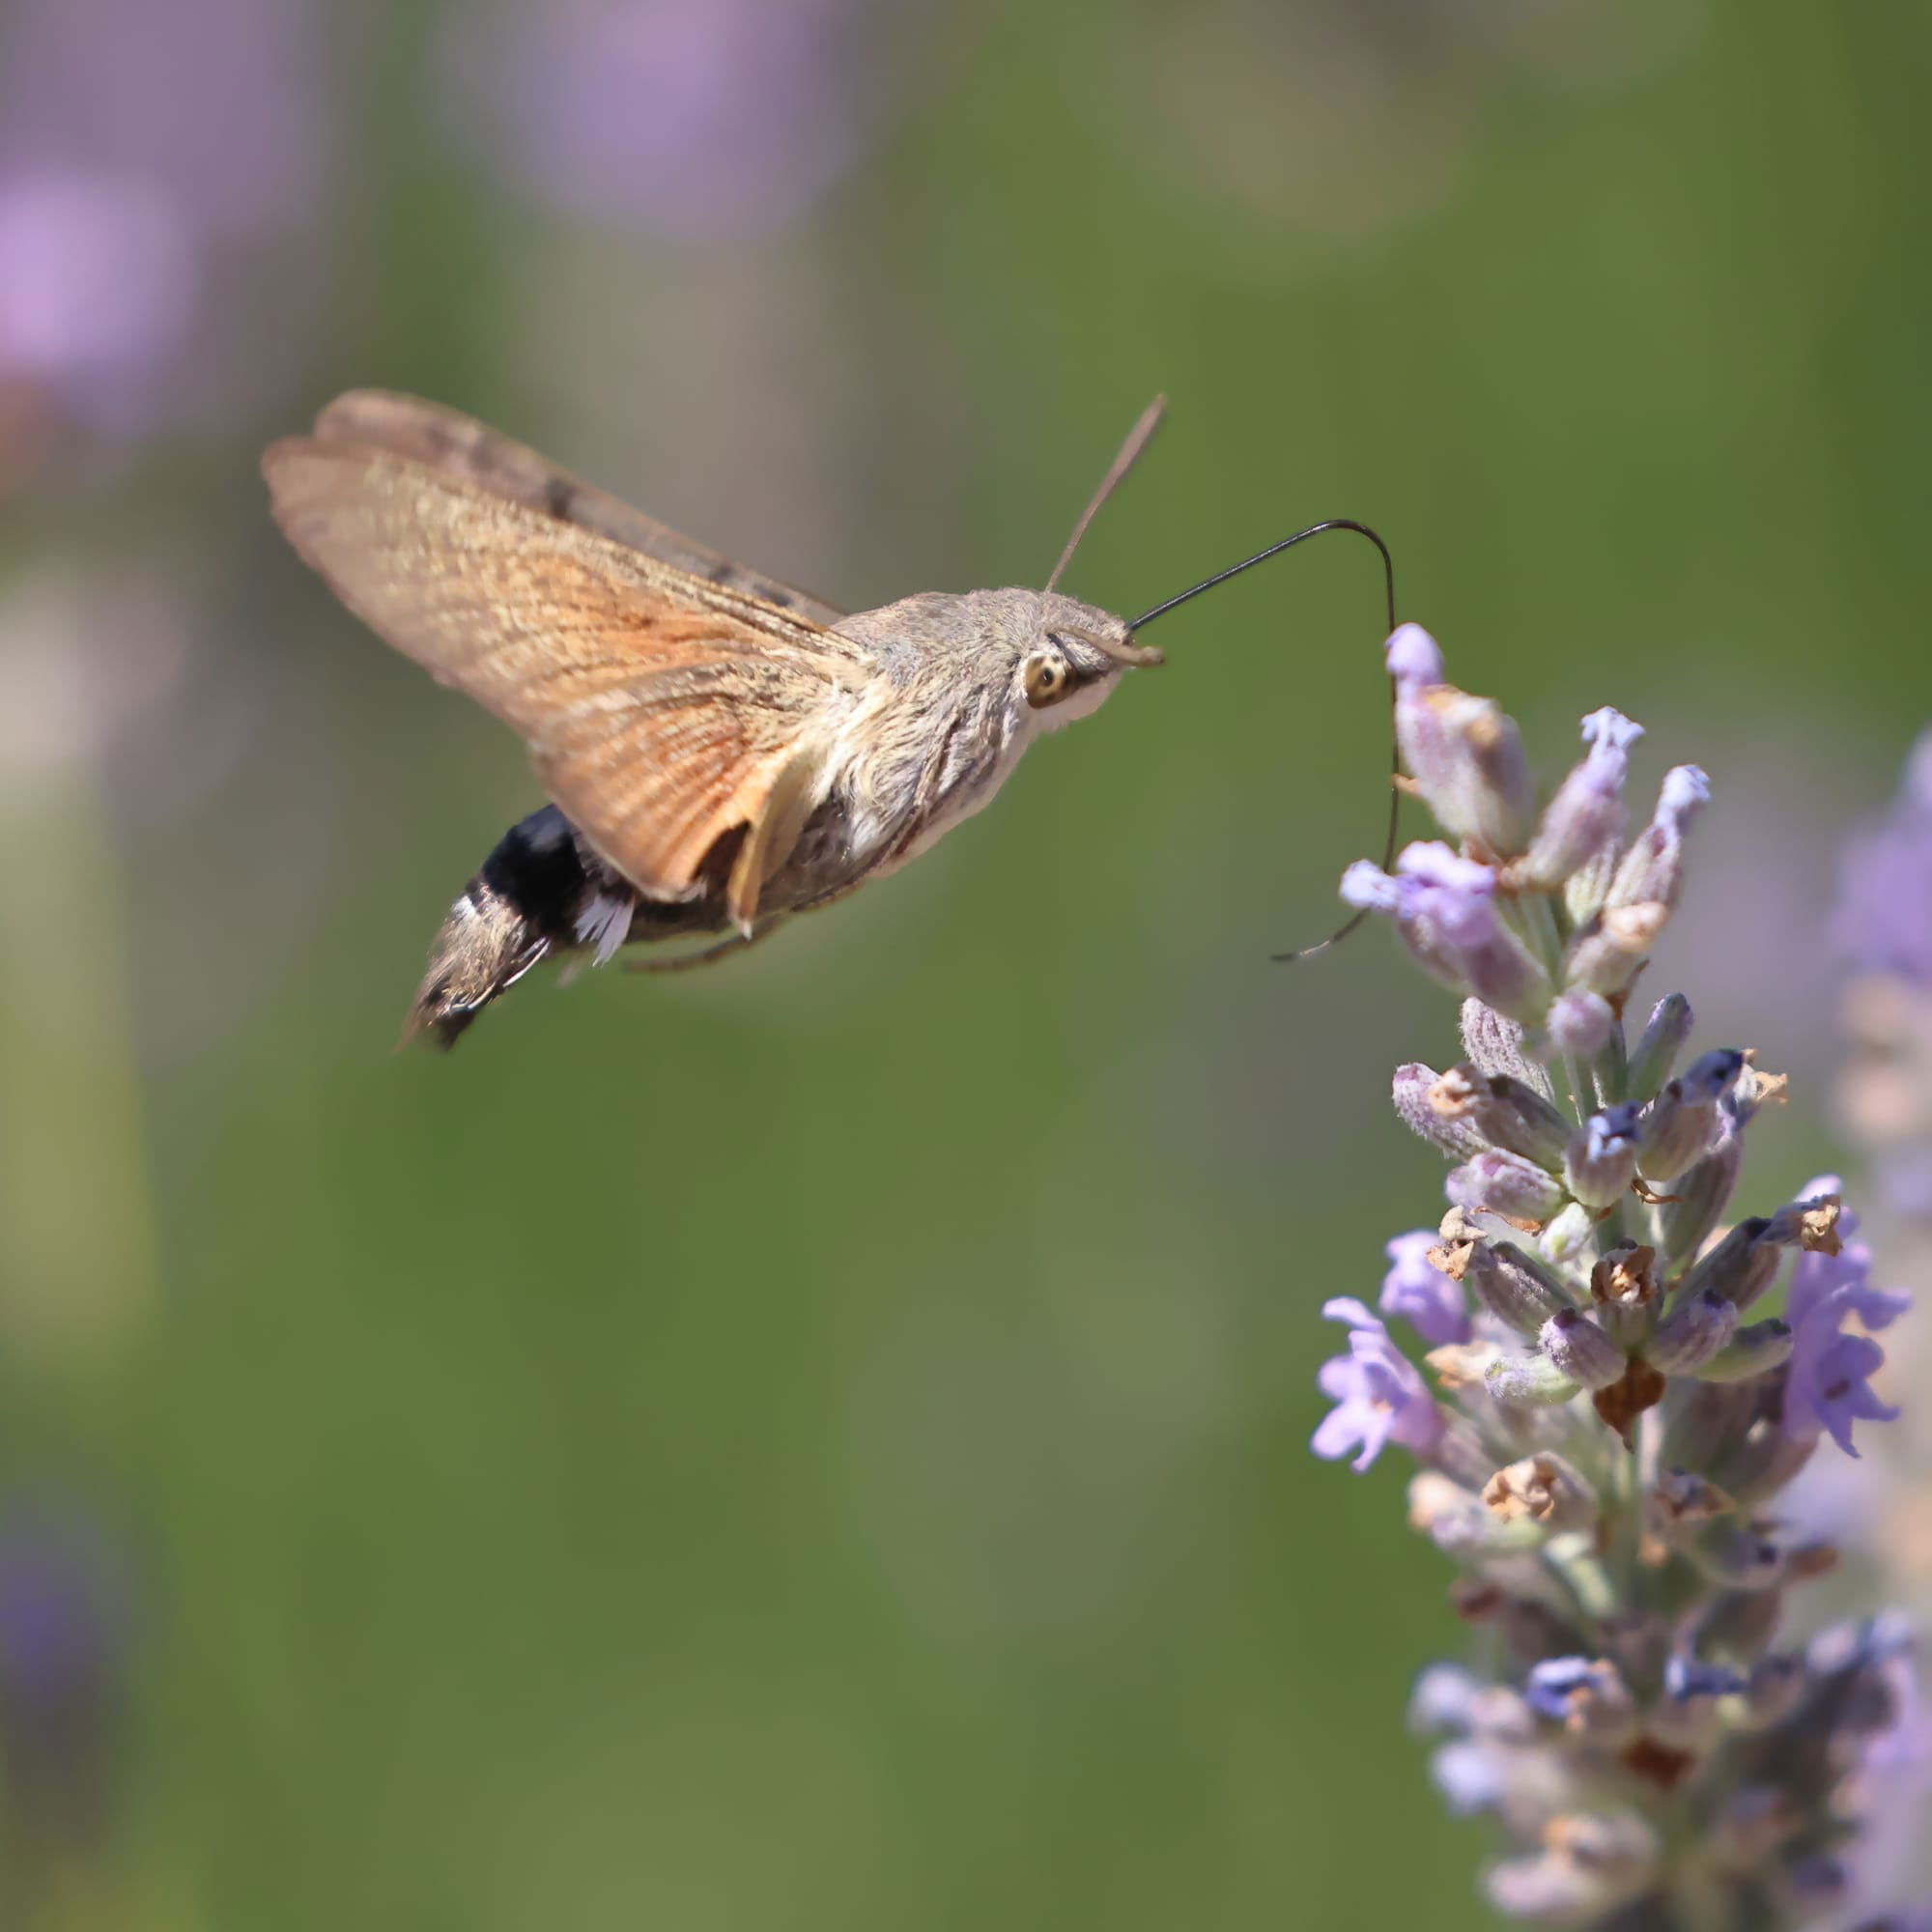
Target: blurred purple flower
[(58, 1633), (688, 117), (97, 284), (136, 143), (1423, 1296), (1883, 921), (63, 1642), (212, 103), (1379, 1396)]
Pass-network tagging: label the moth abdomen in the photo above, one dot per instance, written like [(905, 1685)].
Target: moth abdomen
[(525, 902)]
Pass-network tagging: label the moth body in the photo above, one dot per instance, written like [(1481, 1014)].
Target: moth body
[(891, 786)]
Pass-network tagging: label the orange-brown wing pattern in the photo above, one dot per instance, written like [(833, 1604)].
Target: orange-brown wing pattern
[(471, 452), (662, 709)]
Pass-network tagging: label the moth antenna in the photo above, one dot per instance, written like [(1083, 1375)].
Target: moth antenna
[(1138, 438), (1347, 926)]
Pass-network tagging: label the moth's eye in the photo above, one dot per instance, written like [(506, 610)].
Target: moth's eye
[(1048, 681)]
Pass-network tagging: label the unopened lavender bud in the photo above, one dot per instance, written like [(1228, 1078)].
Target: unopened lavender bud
[(1775, 1689), (1532, 1382), (1686, 1717), (1750, 1824), (1513, 1286), (1602, 1157), (1638, 1642), (1494, 1045), (1460, 1452), (1503, 976), (1726, 1264), (1465, 754), (1683, 1123), (1586, 817), (1700, 1198), (1569, 1237), (1580, 1351), (1512, 1113), (1749, 1352), (1580, 1023), (1545, 1489), (1414, 1092), (1693, 1333), (1610, 956), (1738, 1626), (1663, 1039), (1586, 1696), (1705, 1419), (1737, 1556), (1504, 1184), (1763, 1466), (1653, 869), (1688, 1677)]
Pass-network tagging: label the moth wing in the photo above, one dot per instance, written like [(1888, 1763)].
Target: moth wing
[(469, 452), (664, 711)]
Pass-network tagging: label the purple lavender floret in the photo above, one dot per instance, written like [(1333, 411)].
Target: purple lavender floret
[(1423, 1296), (1444, 907), (1379, 1396), (1615, 1422), (1828, 1385)]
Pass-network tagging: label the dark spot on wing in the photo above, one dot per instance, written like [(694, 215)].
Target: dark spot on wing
[(559, 494)]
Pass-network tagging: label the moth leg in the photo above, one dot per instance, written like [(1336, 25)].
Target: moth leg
[(686, 962)]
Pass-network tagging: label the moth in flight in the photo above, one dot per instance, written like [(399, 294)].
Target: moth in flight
[(720, 751)]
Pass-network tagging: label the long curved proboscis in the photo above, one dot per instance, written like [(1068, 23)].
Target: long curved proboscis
[(1347, 926)]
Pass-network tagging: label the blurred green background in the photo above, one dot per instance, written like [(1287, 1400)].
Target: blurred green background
[(823, 1444)]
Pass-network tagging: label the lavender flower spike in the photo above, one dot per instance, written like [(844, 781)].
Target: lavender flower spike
[(1606, 1461)]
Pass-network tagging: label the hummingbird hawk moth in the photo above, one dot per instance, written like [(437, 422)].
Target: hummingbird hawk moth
[(721, 752)]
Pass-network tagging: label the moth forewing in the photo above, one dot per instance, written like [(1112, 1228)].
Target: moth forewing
[(470, 452), (660, 706)]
